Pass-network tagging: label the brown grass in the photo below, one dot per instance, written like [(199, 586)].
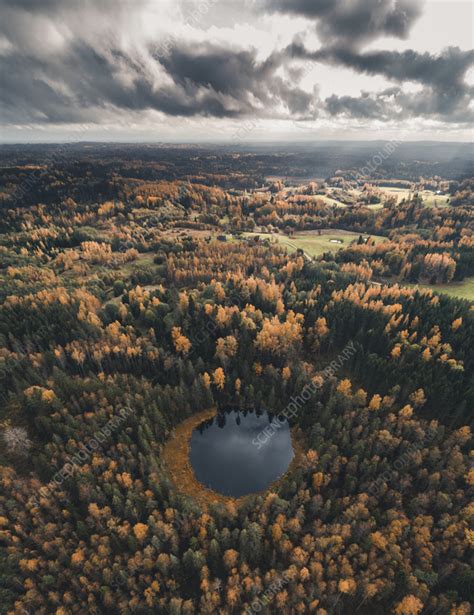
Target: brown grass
[(175, 456)]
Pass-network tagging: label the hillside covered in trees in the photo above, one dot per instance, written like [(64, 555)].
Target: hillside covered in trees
[(138, 292)]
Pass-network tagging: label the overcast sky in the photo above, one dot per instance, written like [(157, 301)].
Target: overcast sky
[(236, 70)]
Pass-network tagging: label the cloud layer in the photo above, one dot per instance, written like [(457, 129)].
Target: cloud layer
[(354, 21), (444, 95), (88, 62)]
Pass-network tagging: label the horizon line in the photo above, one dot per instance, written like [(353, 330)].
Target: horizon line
[(231, 143)]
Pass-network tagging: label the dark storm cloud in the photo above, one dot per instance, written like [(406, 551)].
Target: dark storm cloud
[(31, 5), (234, 73), (207, 81), (346, 24), (71, 61), (353, 21), (445, 70), (236, 77), (445, 92), (394, 104), (366, 106), (48, 6), (93, 74), (26, 95)]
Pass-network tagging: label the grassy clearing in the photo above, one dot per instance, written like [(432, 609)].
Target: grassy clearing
[(314, 244), (461, 290), (432, 199), (429, 197), (330, 200), (143, 260)]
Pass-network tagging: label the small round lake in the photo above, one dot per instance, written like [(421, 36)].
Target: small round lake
[(231, 455)]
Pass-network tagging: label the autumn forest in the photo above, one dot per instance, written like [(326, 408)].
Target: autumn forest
[(154, 295)]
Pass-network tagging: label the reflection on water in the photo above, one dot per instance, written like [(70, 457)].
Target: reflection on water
[(225, 459)]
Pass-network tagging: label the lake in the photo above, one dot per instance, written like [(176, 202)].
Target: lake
[(230, 454)]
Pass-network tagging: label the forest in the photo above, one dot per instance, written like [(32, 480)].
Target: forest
[(143, 286)]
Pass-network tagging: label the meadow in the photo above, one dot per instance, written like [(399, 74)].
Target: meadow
[(316, 243), (461, 290), (430, 198)]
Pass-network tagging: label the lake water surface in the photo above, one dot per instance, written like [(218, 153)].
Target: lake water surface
[(225, 457)]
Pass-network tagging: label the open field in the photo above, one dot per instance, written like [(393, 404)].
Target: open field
[(429, 197), (143, 260), (330, 200), (462, 290), (315, 244), (432, 199)]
